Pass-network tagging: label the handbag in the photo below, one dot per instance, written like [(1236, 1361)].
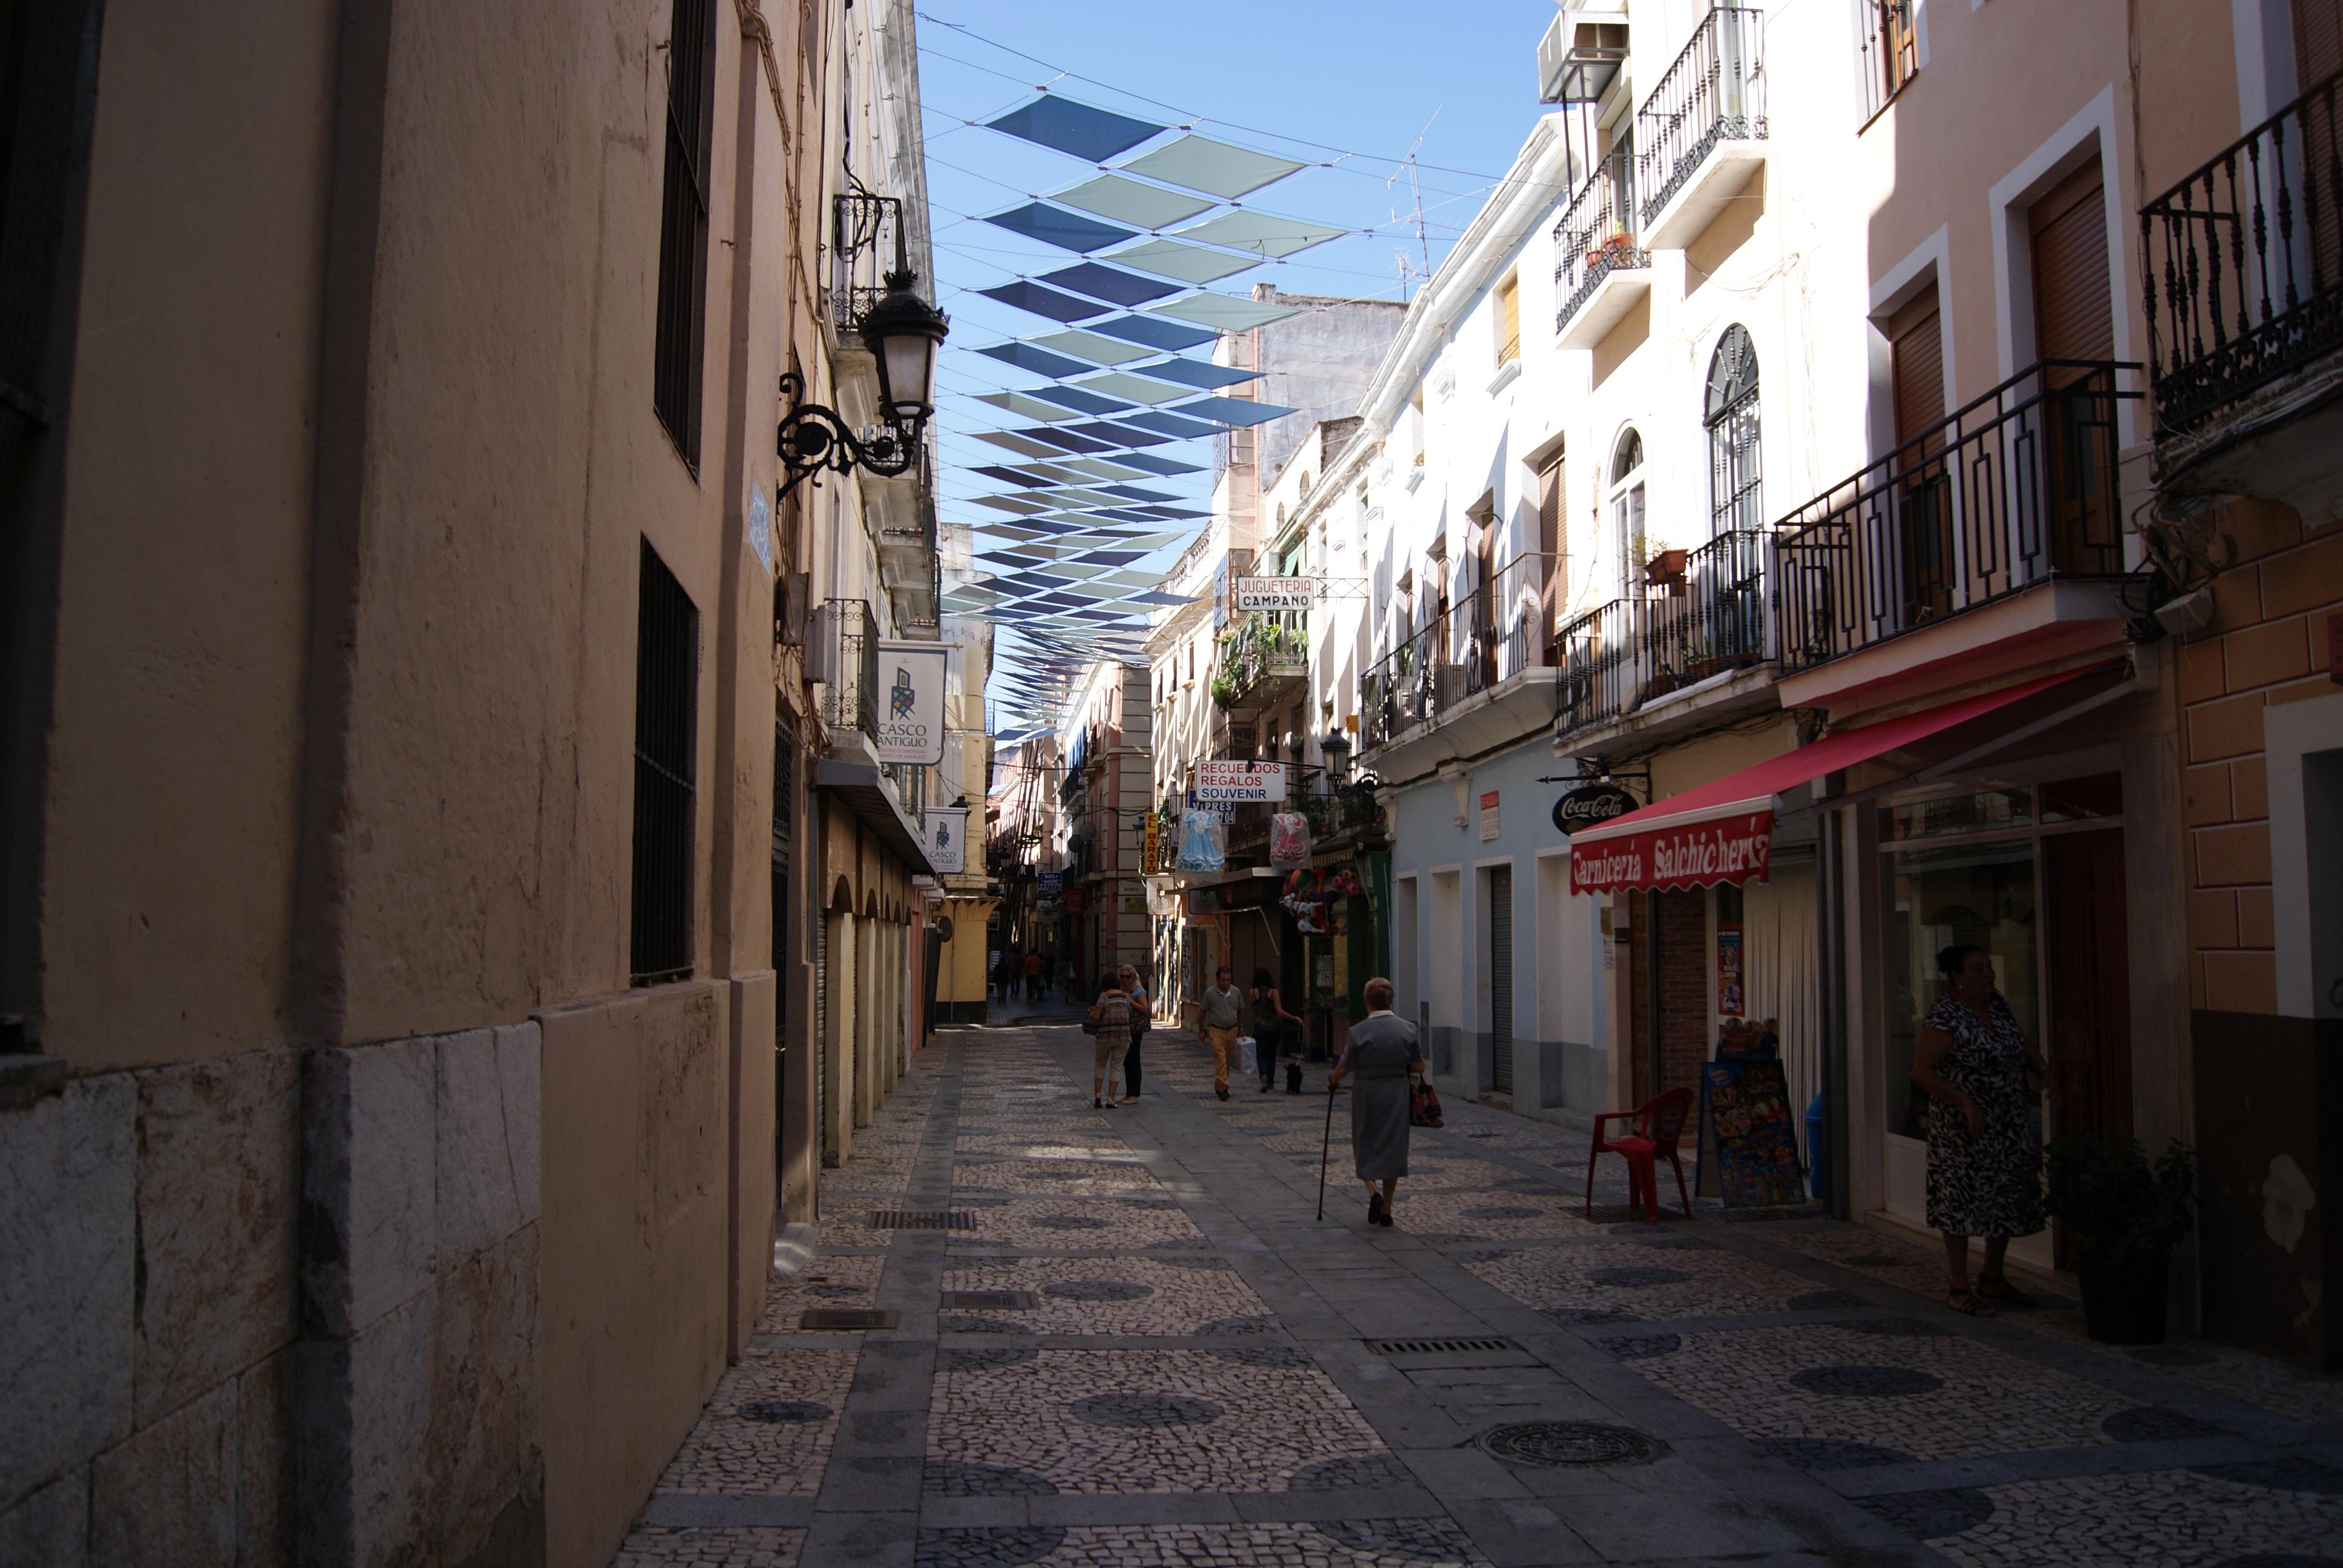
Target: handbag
[(1090, 1025), (1423, 1105), (1248, 1060)]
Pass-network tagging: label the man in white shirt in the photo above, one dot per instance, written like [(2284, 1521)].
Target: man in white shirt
[(1223, 1011)]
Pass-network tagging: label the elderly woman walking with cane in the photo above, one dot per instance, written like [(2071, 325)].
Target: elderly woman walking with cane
[(1382, 1054)]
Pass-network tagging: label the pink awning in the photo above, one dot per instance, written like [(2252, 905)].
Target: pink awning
[(1723, 832)]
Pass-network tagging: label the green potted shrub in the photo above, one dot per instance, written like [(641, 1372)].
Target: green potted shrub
[(1225, 691), (2126, 1216)]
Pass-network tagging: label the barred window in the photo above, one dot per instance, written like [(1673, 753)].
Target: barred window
[(666, 748), (1731, 414), (683, 226)]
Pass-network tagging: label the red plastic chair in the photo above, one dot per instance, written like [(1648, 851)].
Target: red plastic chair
[(1659, 1128)]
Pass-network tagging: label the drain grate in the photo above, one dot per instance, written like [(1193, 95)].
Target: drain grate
[(845, 1319), (988, 1301), (1439, 1347), (1568, 1442), (922, 1220)]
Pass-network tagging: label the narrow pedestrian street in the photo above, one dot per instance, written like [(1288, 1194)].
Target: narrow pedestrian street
[(1122, 1338)]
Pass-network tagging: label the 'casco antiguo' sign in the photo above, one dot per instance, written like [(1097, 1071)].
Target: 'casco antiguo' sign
[(1595, 804)]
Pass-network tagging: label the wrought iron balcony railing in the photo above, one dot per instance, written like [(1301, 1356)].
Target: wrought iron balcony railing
[(1597, 235), (2018, 487), (1714, 92), (2243, 264), (846, 662), (862, 245), (1264, 648), (1495, 632), (1713, 616)]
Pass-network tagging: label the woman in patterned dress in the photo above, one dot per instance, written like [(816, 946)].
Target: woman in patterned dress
[(1984, 1156)]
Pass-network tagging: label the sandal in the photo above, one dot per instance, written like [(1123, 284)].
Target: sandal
[(1969, 1304), (2000, 1288)]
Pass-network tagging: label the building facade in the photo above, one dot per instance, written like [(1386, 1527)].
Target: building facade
[(409, 750)]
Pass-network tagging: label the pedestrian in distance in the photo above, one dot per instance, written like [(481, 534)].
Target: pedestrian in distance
[(1268, 1020), (1382, 1054), (1984, 1155), (1033, 975), (1141, 1019), (1221, 1013), (1109, 1026)]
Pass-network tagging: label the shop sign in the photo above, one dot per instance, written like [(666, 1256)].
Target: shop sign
[(947, 835), (1728, 972), (1051, 882), (1221, 782), (1688, 855), (1074, 901), (1590, 807), (1151, 841), (1488, 815), (911, 722), (1274, 593)]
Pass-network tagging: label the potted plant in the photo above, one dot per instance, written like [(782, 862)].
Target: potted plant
[(2125, 1217), (1225, 691)]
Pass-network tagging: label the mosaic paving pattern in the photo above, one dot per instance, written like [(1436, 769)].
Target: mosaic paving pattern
[(1127, 1295), (1488, 1215), (699, 1547), (736, 1447), (1360, 1543), (1271, 1421), (832, 1279), (1123, 1218), (2178, 1517), (1901, 1383), (1643, 1282)]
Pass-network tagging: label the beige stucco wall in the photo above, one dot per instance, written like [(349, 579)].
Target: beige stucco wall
[(183, 603)]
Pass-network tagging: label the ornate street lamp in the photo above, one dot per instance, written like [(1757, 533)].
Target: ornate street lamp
[(903, 332), (1336, 750)]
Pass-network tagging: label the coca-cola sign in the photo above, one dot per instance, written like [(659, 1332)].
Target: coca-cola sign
[(1590, 807)]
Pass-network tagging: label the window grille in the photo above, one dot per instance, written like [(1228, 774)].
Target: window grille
[(666, 736), (683, 224), (1888, 44), (1731, 418)]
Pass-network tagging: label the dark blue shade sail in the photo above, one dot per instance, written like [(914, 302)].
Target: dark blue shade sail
[(1068, 442), (1107, 284), (1083, 402), (1074, 128), (1110, 557), (1172, 424), (1134, 493), (1233, 410), (1014, 475), (1121, 434), (1056, 225), (1193, 372), (1043, 301), (1041, 361), (1155, 465), (1155, 332)]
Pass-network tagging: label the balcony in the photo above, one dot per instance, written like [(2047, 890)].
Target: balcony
[(844, 656), (2017, 491), (1702, 133), (1264, 663), (1604, 271), (2244, 264), (1692, 625), (1479, 674)]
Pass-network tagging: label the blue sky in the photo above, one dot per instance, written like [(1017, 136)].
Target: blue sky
[(1347, 89)]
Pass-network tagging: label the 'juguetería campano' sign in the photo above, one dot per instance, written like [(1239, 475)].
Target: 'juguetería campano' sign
[(1733, 848)]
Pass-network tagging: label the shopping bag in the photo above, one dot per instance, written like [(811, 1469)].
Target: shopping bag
[(1423, 1105), (1248, 1063)]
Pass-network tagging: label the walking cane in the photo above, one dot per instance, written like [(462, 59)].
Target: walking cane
[(1324, 1144)]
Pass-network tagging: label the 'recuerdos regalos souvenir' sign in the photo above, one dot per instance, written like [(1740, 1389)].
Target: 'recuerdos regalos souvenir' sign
[(911, 701)]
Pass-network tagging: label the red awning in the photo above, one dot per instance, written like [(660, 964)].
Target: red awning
[(1722, 830)]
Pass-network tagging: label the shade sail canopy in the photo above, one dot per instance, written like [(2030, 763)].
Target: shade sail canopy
[(1056, 225), (1202, 163), (1233, 410), (1198, 374), (1109, 284), (1188, 262), (1136, 388), (1262, 232), (1043, 301), (1031, 408), (1134, 202), (1223, 312), (1092, 347), (1154, 332), (1028, 357), (1722, 830), (1071, 126)]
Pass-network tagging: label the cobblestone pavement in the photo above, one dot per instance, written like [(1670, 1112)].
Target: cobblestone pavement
[(1144, 1349)]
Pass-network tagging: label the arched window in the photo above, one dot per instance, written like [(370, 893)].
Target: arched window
[(1627, 507), (1735, 501)]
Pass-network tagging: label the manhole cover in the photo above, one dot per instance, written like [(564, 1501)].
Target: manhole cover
[(1098, 1291), (1440, 1347), (1140, 1411), (1568, 1442), (1636, 1278), (784, 1411), (922, 1219), (1867, 1383)]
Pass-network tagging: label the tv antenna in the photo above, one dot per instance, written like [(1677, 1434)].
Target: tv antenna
[(1408, 269)]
